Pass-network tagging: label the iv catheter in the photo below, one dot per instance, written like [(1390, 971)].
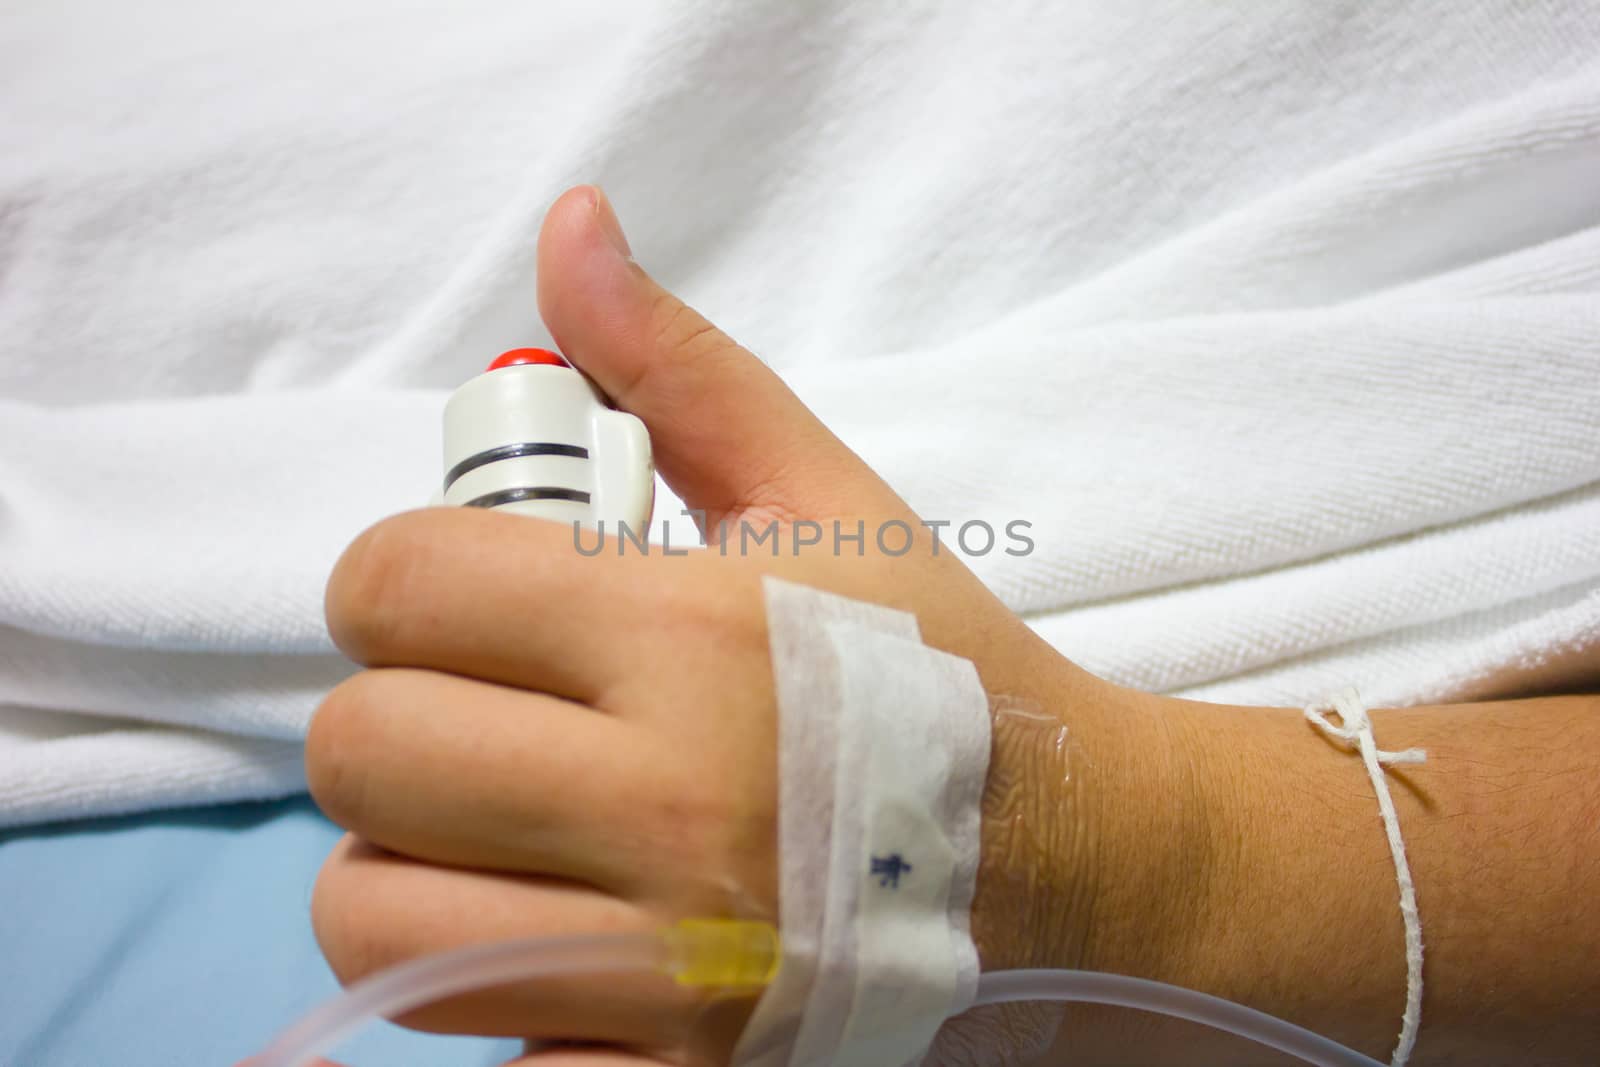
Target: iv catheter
[(740, 954)]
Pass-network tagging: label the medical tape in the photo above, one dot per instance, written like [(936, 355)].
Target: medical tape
[(883, 753)]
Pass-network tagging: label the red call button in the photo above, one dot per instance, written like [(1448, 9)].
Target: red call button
[(518, 357)]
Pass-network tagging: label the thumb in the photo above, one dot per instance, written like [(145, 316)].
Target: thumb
[(728, 435)]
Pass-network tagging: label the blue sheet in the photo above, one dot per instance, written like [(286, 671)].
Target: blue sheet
[(176, 938)]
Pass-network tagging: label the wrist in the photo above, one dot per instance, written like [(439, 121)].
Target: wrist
[(1039, 843), (1101, 847), (1098, 836)]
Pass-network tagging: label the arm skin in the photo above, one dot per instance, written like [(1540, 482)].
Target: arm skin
[(1238, 851)]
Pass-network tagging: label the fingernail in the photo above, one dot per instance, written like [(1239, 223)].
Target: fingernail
[(607, 218)]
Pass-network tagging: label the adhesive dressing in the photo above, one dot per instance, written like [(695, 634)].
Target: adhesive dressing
[(878, 834)]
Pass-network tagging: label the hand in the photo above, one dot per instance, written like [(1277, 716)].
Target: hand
[(546, 743)]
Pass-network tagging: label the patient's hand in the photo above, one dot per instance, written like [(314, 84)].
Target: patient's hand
[(549, 743)]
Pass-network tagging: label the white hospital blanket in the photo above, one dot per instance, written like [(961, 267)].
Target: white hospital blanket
[(1282, 329)]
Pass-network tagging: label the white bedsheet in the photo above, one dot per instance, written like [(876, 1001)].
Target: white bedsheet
[(1283, 330)]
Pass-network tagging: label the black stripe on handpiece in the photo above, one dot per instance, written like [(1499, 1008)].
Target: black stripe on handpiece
[(511, 496), (526, 448)]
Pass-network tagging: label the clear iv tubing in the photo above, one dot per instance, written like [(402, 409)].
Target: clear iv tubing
[(412, 985), (1004, 987), (733, 953)]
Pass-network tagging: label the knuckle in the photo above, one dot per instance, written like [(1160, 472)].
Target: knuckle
[(721, 618), (690, 821), (728, 832), (351, 942), (682, 331), (343, 733), (370, 587)]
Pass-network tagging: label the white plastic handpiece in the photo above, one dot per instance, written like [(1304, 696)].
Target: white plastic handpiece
[(535, 437)]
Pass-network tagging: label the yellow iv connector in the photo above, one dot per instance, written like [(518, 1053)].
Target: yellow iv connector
[(722, 952)]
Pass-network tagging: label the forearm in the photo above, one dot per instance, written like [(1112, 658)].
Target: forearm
[(1502, 832), (1240, 852)]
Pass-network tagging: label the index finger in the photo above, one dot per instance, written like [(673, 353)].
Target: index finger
[(509, 599)]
